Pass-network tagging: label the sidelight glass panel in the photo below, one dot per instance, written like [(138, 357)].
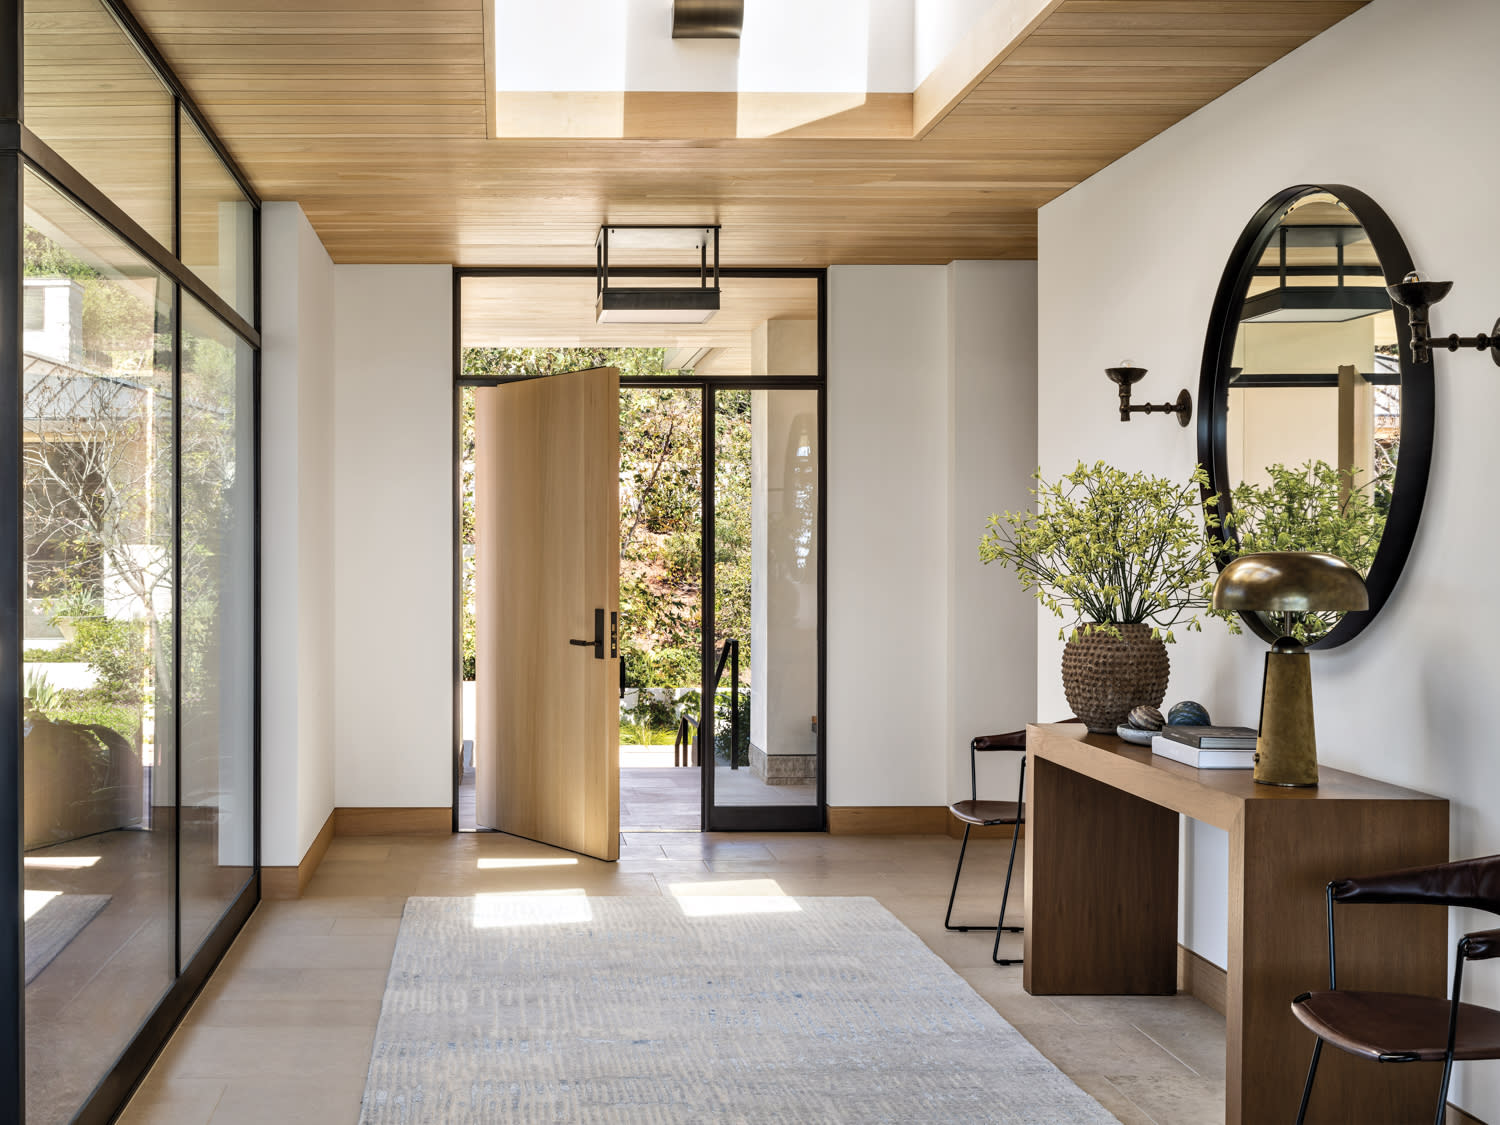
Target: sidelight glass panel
[(91, 96), (765, 554), (218, 637), (661, 605), (98, 672), (218, 223)]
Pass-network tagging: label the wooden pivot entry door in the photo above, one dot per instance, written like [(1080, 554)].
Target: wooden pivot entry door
[(547, 585)]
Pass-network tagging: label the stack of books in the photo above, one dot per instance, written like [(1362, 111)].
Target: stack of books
[(1207, 748)]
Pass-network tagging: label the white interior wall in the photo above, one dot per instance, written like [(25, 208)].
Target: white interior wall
[(991, 455), (906, 507), (887, 535), (393, 535), (1130, 261), (931, 408), (297, 620)]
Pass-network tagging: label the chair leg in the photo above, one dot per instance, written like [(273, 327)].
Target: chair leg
[(1442, 1106), (1307, 1089), (948, 917), (1000, 926)]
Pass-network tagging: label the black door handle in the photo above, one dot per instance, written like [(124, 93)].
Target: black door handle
[(597, 643)]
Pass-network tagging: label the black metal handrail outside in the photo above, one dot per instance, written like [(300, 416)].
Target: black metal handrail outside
[(685, 750), (730, 653)]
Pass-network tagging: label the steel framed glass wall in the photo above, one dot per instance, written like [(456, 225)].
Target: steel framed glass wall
[(129, 544)]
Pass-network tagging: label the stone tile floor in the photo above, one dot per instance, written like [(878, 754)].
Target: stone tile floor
[(656, 796), (283, 1031)]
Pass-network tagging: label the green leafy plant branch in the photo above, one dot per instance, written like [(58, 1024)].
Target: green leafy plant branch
[(1109, 548)]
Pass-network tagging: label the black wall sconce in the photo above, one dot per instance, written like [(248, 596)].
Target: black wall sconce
[(1418, 296), (1126, 376)]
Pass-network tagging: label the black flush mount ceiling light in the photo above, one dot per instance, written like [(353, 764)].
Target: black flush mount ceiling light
[(657, 304), (1306, 304), (707, 19)]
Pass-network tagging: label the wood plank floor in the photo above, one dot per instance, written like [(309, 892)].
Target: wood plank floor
[(283, 1031)]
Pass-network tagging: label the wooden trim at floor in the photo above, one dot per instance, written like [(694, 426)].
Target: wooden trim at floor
[(1457, 1116), (283, 883), (887, 820), (393, 821), (1202, 979), (907, 820)]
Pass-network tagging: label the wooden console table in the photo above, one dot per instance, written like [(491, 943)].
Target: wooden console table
[(1101, 896)]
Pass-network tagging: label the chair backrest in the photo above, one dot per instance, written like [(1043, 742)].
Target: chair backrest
[(1014, 741), (1011, 740), (1466, 882)]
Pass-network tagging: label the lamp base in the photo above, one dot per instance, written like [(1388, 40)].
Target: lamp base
[(1286, 752)]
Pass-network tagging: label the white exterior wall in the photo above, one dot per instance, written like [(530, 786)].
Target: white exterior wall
[(393, 534), (1130, 261), (297, 576)]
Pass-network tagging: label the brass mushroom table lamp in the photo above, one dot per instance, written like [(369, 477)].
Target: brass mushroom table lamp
[(1287, 583)]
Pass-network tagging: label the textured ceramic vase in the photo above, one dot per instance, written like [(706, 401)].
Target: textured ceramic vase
[(1104, 676)]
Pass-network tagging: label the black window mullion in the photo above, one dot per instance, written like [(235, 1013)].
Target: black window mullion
[(177, 303), (177, 179), (12, 640), (65, 178), (708, 651)]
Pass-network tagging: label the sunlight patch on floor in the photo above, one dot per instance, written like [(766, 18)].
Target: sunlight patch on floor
[(62, 862), (35, 900), (738, 896)]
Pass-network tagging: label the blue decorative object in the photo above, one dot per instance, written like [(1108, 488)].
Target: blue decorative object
[(1188, 714)]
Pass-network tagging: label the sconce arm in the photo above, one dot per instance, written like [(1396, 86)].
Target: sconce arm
[(1422, 342), (1183, 407)]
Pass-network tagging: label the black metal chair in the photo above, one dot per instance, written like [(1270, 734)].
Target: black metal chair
[(1394, 1027), (987, 813)]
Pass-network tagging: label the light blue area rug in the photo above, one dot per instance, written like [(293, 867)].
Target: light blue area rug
[(559, 1008)]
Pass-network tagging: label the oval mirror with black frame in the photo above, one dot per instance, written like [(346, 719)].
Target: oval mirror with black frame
[(1315, 423)]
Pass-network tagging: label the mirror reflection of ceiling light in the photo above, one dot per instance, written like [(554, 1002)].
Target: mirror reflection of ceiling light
[(1308, 304)]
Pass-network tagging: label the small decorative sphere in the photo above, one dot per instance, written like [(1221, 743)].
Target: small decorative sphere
[(1145, 718), (1187, 714)]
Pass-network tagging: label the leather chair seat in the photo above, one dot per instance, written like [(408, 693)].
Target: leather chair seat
[(988, 812), (1372, 1024)]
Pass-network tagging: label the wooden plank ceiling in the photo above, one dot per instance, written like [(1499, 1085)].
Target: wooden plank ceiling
[(372, 114)]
